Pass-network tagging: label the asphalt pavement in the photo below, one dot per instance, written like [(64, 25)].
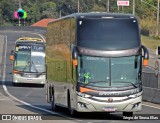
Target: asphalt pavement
[(31, 99)]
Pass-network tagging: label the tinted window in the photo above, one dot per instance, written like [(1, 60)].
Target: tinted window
[(108, 34), (22, 59), (30, 58), (109, 72), (38, 62), (125, 70), (93, 71)]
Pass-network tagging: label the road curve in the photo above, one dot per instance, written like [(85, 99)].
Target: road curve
[(31, 99)]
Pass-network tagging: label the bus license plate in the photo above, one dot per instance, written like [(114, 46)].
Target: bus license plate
[(109, 109)]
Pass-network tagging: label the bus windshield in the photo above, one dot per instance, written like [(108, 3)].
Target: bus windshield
[(103, 34), (22, 59), (109, 72), (38, 62), (30, 58)]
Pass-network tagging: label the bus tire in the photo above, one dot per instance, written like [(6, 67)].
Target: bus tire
[(128, 114), (72, 112), (42, 85), (14, 84), (53, 105)]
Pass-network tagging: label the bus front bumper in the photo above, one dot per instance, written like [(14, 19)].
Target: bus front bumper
[(110, 104), (37, 80)]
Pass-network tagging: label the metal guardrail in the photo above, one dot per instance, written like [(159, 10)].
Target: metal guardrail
[(151, 87), (150, 80), (151, 95)]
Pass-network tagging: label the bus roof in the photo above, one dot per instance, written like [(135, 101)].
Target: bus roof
[(97, 15), (29, 39)]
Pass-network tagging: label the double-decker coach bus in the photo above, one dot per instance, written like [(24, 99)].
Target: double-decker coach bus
[(29, 61), (94, 63)]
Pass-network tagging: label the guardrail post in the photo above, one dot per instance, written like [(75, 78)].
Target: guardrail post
[(159, 80)]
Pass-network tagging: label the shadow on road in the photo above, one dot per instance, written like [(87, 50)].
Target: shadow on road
[(10, 84), (64, 113)]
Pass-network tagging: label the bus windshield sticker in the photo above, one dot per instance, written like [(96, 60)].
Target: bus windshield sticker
[(134, 21), (17, 48), (80, 22), (38, 48), (24, 47), (87, 76)]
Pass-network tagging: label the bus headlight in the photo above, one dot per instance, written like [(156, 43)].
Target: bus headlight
[(82, 105), (136, 105), (83, 95), (135, 95), (42, 76), (18, 75)]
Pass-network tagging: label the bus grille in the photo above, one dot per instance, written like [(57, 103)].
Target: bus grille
[(30, 75)]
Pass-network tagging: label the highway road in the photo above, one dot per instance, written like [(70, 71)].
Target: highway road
[(30, 99)]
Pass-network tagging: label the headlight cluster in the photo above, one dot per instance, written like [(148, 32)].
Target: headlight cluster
[(83, 95), (135, 95)]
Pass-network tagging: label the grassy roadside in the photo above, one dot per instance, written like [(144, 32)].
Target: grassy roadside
[(150, 42)]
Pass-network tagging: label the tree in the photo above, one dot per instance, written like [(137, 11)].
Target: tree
[(48, 10)]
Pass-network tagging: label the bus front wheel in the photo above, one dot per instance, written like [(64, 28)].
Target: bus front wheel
[(53, 105), (128, 114), (14, 84), (72, 112)]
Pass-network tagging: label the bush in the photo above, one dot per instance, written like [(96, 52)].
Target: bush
[(145, 31), (157, 37), (147, 26)]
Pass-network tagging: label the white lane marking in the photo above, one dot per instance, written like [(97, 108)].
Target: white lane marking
[(153, 88), (151, 106), (42, 37), (38, 35), (151, 67), (152, 56), (2, 99), (25, 103)]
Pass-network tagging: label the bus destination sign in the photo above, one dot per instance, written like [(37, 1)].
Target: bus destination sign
[(37, 48)]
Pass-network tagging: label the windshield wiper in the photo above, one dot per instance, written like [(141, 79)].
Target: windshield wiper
[(130, 83), (26, 66), (28, 63), (91, 83), (106, 81), (35, 67), (42, 73), (133, 84)]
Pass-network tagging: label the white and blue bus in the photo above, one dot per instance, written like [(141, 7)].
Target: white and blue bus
[(29, 61), (94, 63)]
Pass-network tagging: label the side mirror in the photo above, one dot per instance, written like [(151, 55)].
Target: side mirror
[(74, 56), (74, 53), (158, 50), (11, 57), (145, 62), (145, 56)]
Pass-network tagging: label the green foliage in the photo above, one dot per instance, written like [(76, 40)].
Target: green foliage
[(148, 26), (38, 9), (150, 42), (146, 12)]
